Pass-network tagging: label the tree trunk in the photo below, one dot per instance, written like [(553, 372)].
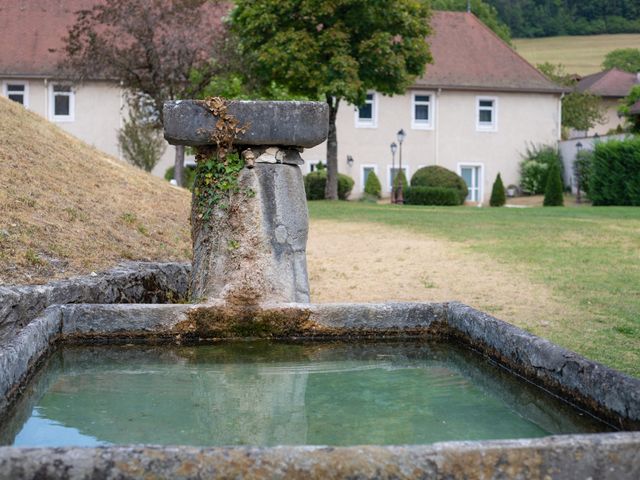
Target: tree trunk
[(178, 169), (331, 189)]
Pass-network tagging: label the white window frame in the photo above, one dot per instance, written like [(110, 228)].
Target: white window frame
[(5, 90), (362, 179), (419, 124), (373, 123), (484, 126), (313, 164), (480, 177), (406, 169), (52, 105)]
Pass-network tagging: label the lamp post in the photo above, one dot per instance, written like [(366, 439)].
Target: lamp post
[(401, 136), (577, 171), (394, 149)]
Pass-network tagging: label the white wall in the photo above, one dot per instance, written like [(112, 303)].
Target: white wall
[(523, 119), (97, 114)]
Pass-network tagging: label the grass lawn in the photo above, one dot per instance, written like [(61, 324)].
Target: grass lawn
[(589, 256), (579, 54)]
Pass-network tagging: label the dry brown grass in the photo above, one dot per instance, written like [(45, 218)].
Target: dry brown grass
[(69, 209), (362, 262)]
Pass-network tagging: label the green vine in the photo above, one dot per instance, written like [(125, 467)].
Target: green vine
[(218, 168)]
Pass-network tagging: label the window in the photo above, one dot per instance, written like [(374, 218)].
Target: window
[(393, 172), (62, 104), (472, 176), (365, 171), (487, 114), (421, 111), (367, 114), (18, 92)]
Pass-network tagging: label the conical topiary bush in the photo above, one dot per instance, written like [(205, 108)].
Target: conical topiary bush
[(553, 193), (372, 186), (498, 198)]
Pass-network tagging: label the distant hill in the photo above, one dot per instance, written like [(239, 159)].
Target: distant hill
[(68, 209), (581, 54), (545, 18)]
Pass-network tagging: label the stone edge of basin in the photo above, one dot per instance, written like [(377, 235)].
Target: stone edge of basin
[(613, 455), (606, 393), (299, 124)]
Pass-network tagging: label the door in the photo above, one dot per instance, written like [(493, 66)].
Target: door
[(471, 176)]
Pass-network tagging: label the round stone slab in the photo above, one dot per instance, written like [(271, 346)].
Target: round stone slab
[(295, 124)]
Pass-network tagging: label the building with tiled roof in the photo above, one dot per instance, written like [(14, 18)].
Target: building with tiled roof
[(475, 111), (612, 85)]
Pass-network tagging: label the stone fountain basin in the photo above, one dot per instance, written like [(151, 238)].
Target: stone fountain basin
[(605, 393)]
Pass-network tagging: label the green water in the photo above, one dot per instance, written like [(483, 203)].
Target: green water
[(265, 393)]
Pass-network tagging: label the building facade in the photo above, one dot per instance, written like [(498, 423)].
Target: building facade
[(476, 111)]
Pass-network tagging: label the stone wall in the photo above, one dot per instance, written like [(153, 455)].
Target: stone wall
[(128, 283)]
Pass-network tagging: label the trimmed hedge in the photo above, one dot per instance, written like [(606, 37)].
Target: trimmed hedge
[(315, 182), (498, 198), (436, 176), (431, 196), (615, 174), (372, 186), (553, 193)]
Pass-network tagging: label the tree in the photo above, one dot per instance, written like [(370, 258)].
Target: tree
[(580, 110), (485, 12), (140, 140), (498, 198), (553, 191), (627, 110), (151, 46), (334, 51), (627, 59)]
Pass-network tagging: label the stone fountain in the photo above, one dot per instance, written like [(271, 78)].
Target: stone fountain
[(249, 279)]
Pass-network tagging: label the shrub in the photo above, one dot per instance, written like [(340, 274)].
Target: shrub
[(372, 186), (553, 192), (498, 198), (400, 179), (436, 176), (189, 173), (315, 182), (615, 175), (534, 168), (431, 196), (582, 166)]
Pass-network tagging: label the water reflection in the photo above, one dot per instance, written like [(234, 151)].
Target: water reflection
[(263, 393)]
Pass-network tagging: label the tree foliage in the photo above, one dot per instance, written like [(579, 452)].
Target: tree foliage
[(543, 18), (580, 110), (334, 51), (140, 139), (481, 9), (627, 59), (535, 167), (633, 120), (151, 46)]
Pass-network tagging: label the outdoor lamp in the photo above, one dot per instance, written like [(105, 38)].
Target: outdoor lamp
[(400, 197), (394, 149), (350, 161)]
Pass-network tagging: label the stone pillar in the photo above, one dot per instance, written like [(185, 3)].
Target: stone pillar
[(253, 250)]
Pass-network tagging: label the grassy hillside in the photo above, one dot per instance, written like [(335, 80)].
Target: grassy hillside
[(69, 209), (581, 55)]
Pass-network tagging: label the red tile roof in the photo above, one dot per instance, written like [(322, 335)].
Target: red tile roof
[(468, 55), (30, 30), (610, 83)]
